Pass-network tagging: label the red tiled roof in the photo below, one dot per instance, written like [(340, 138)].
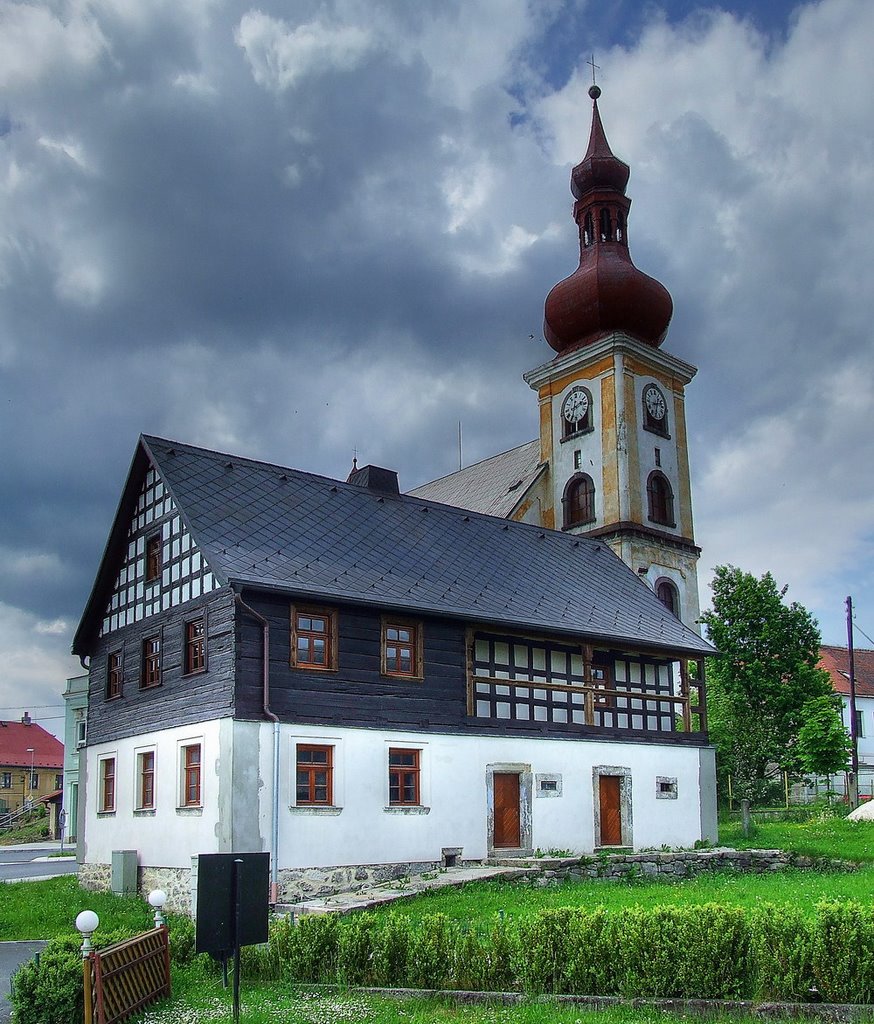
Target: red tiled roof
[(16, 738), (835, 661)]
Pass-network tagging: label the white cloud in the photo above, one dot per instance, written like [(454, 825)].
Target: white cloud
[(36, 43), (280, 56)]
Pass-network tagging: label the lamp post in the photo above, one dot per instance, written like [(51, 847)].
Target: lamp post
[(30, 786)]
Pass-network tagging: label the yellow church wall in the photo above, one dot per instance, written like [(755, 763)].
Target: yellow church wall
[(635, 501), (587, 373), (609, 459), (685, 487), (546, 429)]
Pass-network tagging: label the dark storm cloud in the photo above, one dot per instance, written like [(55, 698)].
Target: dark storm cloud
[(290, 234)]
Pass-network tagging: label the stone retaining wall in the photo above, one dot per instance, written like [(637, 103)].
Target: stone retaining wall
[(684, 864)]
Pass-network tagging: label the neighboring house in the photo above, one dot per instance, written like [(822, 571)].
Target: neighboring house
[(835, 660), (347, 676), (31, 764), (75, 727)]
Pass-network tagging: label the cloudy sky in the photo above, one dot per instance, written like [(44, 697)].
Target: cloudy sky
[(300, 229)]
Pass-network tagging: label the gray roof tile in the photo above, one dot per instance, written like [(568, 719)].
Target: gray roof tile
[(267, 526)]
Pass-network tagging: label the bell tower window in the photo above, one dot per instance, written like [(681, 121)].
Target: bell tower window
[(588, 230), (660, 499), (606, 226), (579, 500), (667, 593)]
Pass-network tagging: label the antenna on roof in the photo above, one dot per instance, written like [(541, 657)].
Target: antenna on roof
[(459, 446)]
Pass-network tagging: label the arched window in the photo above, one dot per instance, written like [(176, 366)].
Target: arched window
[(667, 593), (620, 226), (660, 498), (579, 500), (606, 227), (588, 230)]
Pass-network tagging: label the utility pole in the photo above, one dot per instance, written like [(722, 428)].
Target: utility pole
[(853, 794)]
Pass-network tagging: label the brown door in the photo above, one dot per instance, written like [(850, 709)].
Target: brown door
[(506, 828), (611, 814)]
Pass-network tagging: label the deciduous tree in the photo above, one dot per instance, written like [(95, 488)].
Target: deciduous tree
[(764, 676)]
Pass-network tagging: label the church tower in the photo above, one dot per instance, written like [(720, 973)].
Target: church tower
[(612, 420)]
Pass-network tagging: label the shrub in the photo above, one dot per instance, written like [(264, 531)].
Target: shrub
[(312, 948), (843, 952), (391, 951), (781, 948), (356, 951), (431, 956), (49, 988)]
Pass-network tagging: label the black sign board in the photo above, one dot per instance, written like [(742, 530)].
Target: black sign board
[(231, 888)]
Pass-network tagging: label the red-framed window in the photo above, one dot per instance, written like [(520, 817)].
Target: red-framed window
[(146, 781), (153, 558), (107, 784), (151, 673), (314, 780), (114, 675), (401, 649), (191, 793), (404, 771), (195, 646), (313, 638)]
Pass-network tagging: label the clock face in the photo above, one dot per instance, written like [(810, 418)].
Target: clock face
[(576, 405), (655, 402)]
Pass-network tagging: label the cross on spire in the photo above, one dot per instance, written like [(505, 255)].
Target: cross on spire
[(595, 67)]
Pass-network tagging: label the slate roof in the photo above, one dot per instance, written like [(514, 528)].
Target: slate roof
[(15, 740), (836, 662), (494, 486), (269, 527)]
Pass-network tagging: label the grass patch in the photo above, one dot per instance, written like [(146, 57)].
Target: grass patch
[(824, 836), (481, 902), (199, 999), (33, 832), (45, 909)]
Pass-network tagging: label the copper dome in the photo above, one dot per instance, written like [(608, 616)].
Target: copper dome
[(606, 293)]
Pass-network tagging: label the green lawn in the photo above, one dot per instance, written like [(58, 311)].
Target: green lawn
[(42, 910), (819, 837), (199, 999)]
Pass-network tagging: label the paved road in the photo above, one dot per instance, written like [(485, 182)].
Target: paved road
[(11, 955), (25, 862)]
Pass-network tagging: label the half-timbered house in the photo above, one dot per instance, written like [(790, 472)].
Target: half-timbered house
[(363, 682)]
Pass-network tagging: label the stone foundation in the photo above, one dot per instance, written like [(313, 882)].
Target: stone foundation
[(296, 884)]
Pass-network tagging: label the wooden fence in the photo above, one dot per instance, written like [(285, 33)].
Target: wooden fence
[(123, 978)]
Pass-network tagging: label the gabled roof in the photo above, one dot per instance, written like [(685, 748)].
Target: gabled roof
[(835, 660), (494, 486), (268, 527), (16, 739)]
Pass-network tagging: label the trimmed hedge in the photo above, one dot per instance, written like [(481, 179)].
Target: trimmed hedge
[(705, 952)]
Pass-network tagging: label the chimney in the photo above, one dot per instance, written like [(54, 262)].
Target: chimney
[(26, 719), (374, 478)]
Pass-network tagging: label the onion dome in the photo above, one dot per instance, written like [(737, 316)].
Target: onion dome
[(606, 292)]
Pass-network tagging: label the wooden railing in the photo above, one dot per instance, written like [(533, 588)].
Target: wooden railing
[(123, 978)]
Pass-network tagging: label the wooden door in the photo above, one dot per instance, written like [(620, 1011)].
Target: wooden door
[(611, 812), (507, 823)]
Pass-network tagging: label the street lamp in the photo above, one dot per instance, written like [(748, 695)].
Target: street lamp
[(30, 787)]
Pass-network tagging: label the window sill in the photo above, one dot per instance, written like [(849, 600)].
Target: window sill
[(659, 522), (149, 686), (582, 522), (196, 672), (109, 700), (314, 668), (315, 809), (189, 812), (106, 814), (576, 434), (402, 677), (407, 809), (144, 812)]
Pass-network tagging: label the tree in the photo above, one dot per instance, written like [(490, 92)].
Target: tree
[(765, 674), (824, 745)]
